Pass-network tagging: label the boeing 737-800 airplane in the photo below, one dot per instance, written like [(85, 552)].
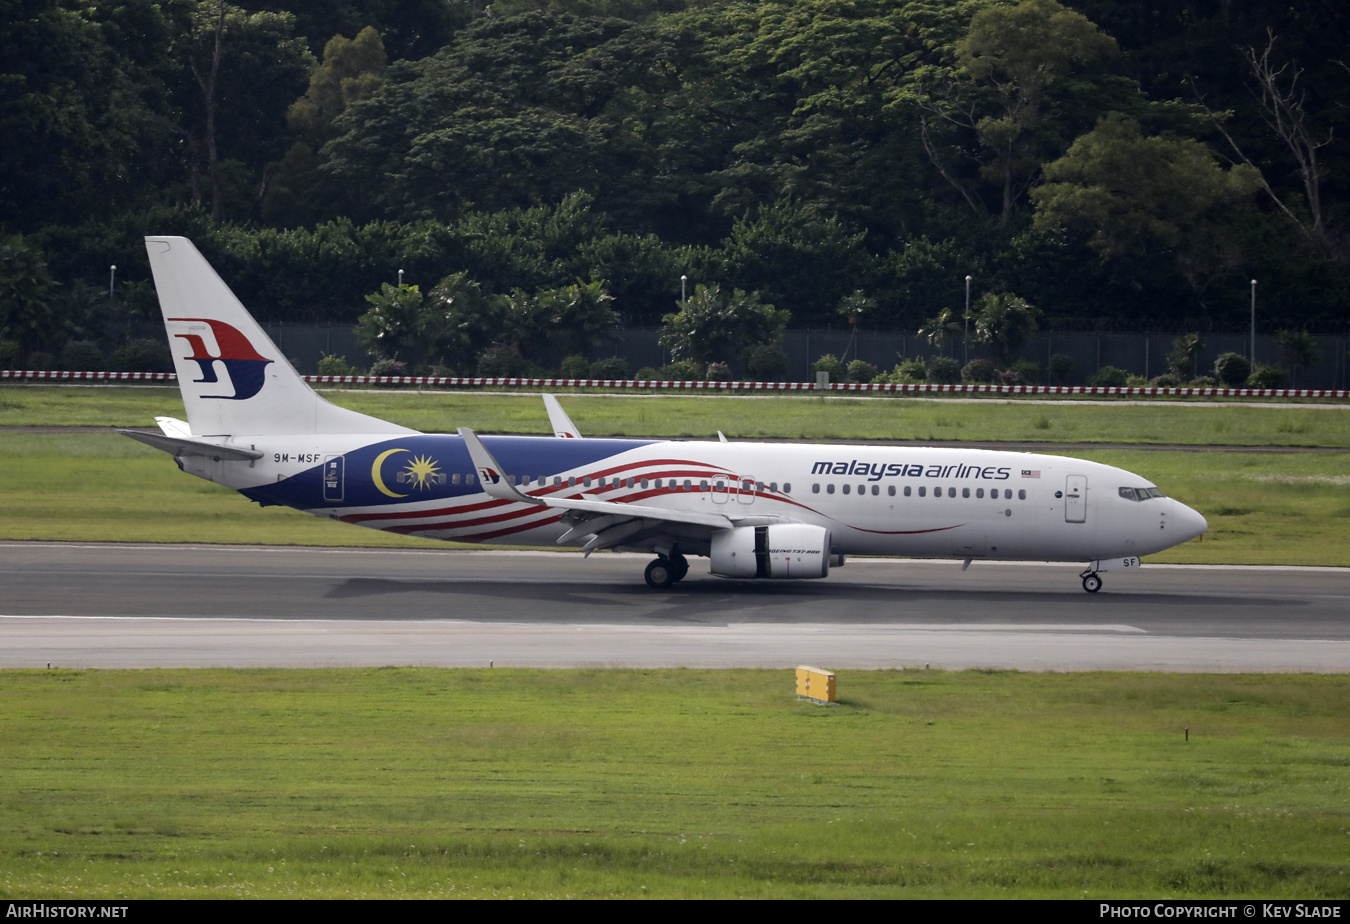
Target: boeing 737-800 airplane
[(755, 510)]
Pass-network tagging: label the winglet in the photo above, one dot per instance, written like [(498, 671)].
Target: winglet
[(557, 418), (490, 471)]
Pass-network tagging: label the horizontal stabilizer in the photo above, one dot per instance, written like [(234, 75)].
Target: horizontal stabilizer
[(183, 446)]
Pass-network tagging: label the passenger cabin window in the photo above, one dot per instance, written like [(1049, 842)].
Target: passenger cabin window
[(846, 488), (787, 487), (815, 489), (907, 489), (829, 489), (1022, 494)]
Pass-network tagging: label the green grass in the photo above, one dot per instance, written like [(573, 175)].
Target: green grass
[(1263, 508), (1197, 423), (427, 782)]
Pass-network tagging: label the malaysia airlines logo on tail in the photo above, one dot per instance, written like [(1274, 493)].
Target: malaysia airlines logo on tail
[(244, 366)]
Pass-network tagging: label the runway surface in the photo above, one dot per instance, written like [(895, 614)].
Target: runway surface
[(74, 605)]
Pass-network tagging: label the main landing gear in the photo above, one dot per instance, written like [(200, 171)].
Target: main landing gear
[(1092, 581), (666, 571)]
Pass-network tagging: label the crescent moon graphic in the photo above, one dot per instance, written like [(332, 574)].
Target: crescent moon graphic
[(375, 472)]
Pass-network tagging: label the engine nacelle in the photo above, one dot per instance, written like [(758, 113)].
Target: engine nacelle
[(782, 550)]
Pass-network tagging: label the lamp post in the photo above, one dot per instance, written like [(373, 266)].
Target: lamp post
[(112, 278), (683, 281), (400, 279), (1253, 325), (965, 338)]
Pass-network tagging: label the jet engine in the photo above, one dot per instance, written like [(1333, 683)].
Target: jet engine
[(782, 550)]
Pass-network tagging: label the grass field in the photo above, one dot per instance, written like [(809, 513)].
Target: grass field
[(435, 783), (1195, 423), (1263, 508), (438, 783)]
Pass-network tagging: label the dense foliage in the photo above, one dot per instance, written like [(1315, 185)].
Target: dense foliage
[(1111, 164)]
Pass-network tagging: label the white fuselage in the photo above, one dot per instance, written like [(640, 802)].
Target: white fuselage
[(874, 500)]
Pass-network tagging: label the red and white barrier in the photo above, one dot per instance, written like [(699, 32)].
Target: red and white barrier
[(453, 381)]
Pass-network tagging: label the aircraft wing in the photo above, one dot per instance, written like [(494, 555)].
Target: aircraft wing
[(490, 472), (558, 419)]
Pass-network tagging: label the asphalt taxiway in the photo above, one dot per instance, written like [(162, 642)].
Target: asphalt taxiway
[(104, 605)]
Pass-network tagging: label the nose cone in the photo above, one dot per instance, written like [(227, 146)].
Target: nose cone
[(1186, 523)]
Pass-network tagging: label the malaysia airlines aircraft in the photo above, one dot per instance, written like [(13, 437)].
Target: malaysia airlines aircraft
[(755, 510)]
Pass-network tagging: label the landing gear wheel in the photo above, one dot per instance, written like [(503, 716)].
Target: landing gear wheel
[(661, 573), (1092, 583), (681, 566)]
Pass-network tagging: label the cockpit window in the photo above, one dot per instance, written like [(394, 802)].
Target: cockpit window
[(1141, 494)]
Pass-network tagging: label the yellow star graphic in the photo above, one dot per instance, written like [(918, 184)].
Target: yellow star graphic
[(422, 469)]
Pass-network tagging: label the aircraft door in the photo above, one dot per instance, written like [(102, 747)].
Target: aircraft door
[(746, 494), (721, 490), (332, 479), (1075, 499)]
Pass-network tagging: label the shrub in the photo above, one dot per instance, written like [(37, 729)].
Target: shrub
[(647, 374), (831, 364), (1204, 381), (41, 360), (576, 367), (861, 372), (718, 372), (1232, 369), (764, 362), (979, 372), (1061, 367), (9, 354), (143, 356), (1109, 377), (1166, 380), (82, 356), (334, 365), (500, 360), (943, 370), (615, 367), (683, 370), (1027, 372), (1265, 376), (389, 367), (914, 371)]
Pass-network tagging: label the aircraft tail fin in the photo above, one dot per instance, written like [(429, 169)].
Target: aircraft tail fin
[(232, 377)]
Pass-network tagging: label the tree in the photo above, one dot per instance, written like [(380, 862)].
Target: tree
[(27, 297), (1003, 322), (797, 259), (1299, 349), (947, 327), (1183, 355), (1019, 69), (1131, 194), (394, 326), (708, 328), (247, 69)]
